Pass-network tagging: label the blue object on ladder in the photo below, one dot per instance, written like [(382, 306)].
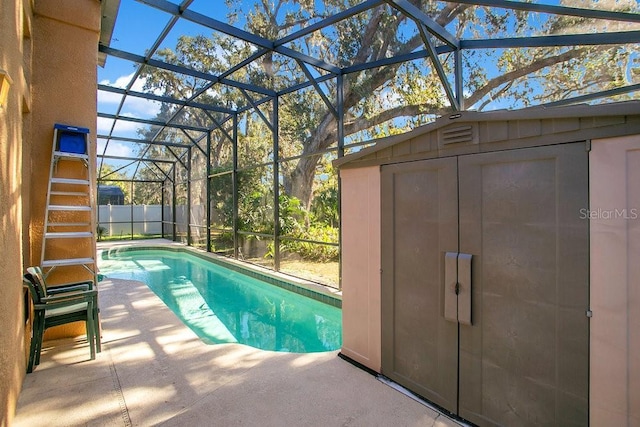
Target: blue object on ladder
[(71, 139)]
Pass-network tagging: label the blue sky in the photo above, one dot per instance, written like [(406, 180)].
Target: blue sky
[(131, 35)]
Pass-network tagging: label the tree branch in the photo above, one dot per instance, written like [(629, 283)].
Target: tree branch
[(362, 123), (521, 72)]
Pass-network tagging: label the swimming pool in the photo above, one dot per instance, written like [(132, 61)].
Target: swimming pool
[(224, 306)]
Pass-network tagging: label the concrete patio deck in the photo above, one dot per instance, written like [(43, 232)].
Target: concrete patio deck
[(153, 371)]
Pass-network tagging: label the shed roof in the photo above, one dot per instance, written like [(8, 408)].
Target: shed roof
[(110, 190), (464, 132)]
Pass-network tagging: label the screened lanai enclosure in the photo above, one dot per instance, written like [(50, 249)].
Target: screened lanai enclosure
[(219, 121)]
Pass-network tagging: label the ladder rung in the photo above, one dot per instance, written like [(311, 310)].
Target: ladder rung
[(69, 208), (70, 261), (69, 193), (67, 234), (70, 181), (65, 155), (68, 224)]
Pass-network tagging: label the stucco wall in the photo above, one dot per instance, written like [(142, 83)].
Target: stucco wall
[(361, 327), (14, 59), (64, 91), (65, 37), (615, 281), (49, 49)]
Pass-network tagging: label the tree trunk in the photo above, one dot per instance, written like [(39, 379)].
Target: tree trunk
[(301, 181)]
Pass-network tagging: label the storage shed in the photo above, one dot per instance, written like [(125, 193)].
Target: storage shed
[(110, 195), (490, 264)]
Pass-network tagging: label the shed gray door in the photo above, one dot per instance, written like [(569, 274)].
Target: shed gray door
[(524, 358), (419, 223)]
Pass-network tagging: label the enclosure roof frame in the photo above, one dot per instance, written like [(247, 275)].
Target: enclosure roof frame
[(221, 115)]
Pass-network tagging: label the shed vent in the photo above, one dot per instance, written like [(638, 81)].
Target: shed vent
[(458, 134)]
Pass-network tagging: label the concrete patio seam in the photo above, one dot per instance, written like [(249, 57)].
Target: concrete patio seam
[(117, 388)]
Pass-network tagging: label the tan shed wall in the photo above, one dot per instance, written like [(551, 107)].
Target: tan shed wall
[(49, 50), (361, 333), (615, 281)]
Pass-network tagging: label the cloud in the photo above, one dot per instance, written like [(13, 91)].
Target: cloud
[(133, 106), (123, 81), (104, 125), (114, 148), (122, 128)]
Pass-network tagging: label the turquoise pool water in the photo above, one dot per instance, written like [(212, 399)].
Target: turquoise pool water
[(223, 306)]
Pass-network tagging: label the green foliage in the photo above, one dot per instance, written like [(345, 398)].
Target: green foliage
[(221, 188), (255, 201), (147, 193), (317, 226), (324, 207), (100, 232), (314, 251), (293, 216), (116, 178), (222, 242), (255, 214)]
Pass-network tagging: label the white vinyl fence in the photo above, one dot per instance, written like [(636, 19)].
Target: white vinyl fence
[(117, 219)]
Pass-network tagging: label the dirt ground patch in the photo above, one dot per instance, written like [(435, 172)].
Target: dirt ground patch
[(326, 273)]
